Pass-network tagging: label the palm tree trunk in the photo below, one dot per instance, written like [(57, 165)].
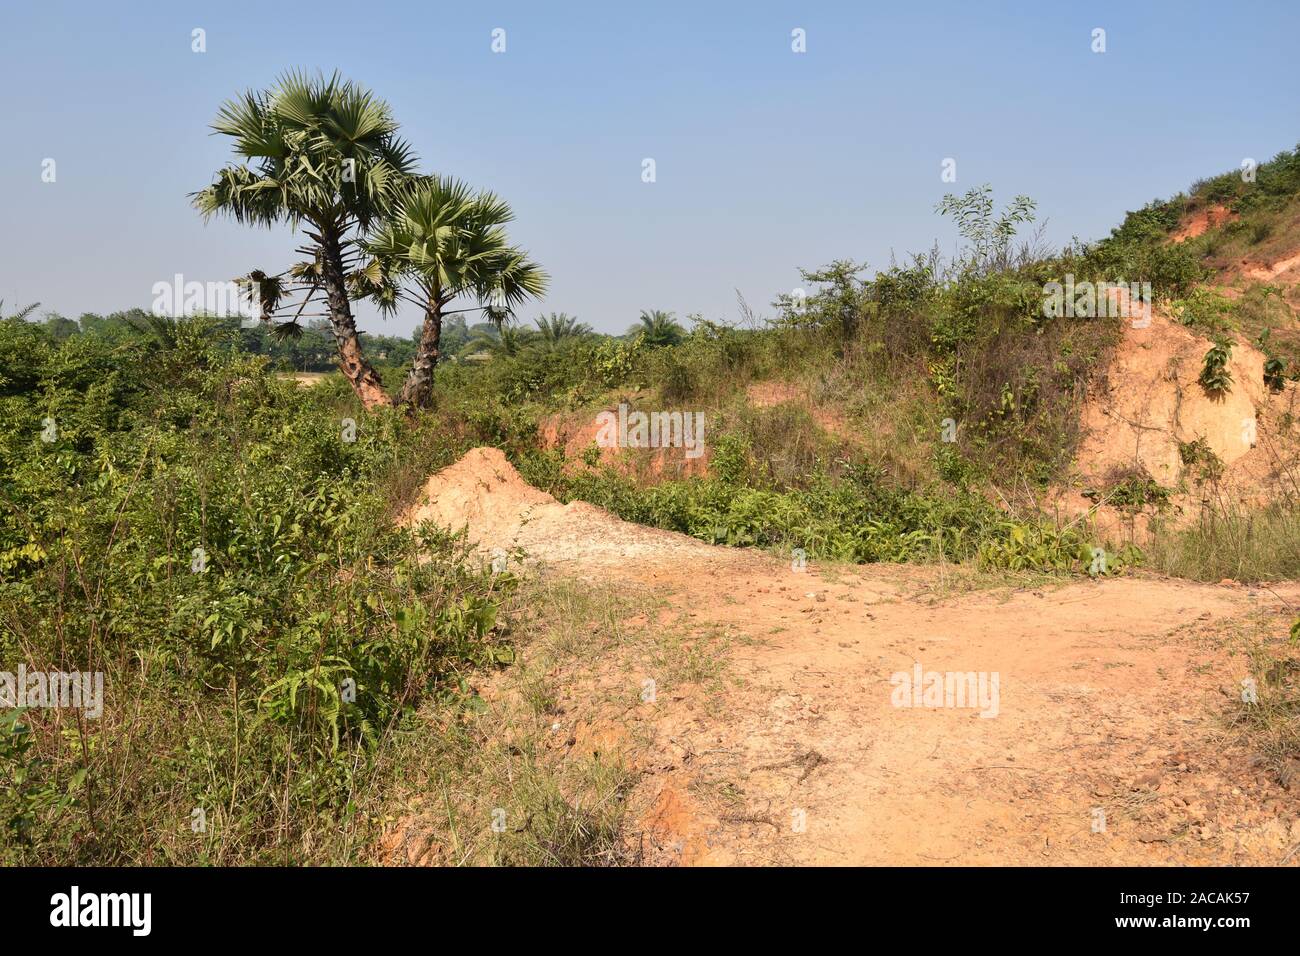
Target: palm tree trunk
[(419, 381), (358, 371)]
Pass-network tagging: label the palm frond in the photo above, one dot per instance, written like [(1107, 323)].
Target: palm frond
[(22, 313), (289, 331), (447, 240)]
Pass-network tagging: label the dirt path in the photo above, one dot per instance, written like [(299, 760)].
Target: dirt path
[(1104, 744)]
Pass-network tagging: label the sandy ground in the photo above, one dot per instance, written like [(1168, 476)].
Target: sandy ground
[(306, 379), (1107, 745)]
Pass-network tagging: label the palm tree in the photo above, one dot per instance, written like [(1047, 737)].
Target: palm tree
[(322, 154), (510, 340), (660, 328), (440, 242), (163, 331), (559, 329)]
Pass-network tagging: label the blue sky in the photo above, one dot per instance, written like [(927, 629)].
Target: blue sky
[(766, 160)]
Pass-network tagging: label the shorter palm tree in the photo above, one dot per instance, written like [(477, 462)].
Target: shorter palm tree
[(660, 328), (443, 242)]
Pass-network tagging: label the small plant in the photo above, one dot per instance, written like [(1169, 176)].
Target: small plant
[(731, 460), (1207, 310), (1137, 490), (989, 238), (1270, 717), (1216, 377), (677, 380), (1197, 455), (32, 792), (1274, 373)]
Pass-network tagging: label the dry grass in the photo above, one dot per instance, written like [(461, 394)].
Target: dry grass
[(1267, 715), (541, 774), (1231, 541)]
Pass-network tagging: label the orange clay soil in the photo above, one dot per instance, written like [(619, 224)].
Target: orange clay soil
[(1201, 221)]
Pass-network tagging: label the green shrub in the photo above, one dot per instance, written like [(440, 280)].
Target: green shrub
[(1216, 377), (1198, 457), (858, 519), (1206, 310)]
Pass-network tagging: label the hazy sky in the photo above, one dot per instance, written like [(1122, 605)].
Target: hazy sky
[(766, 159)]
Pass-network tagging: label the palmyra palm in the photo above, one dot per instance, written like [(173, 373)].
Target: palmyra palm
[(322, 154), (441, 242)]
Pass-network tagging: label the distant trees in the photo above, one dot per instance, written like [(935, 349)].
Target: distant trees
[(312, 350), (558, 329), (660, 328), (455, 334), (60, 327), (508, 340)]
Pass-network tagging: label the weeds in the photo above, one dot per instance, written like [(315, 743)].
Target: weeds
[(1233, 542), (1268, 713)]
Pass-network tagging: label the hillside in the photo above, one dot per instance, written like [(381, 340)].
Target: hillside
[(944, 387), (1030, 470)]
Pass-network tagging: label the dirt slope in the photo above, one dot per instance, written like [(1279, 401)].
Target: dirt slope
[(1150, 401), (1148, 408), (1110, 696), (575, 435), (1202, 221)]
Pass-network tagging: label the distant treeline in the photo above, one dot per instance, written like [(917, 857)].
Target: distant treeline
[(312, 351)]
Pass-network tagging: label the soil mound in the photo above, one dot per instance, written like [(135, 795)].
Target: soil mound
[(485, 494)]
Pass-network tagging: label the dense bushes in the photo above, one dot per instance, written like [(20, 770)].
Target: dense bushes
[(209, 538), (1276, 183), (1173, 270), (858, 518)]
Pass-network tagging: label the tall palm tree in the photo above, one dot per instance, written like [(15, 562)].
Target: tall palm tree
[(442, 241), (559, 329), (323, 154), (660, 328)]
